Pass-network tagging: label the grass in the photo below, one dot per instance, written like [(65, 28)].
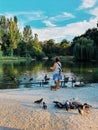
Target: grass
[(12, 58), (64, 58)]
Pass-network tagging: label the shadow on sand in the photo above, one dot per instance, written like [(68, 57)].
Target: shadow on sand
[(7, 128)]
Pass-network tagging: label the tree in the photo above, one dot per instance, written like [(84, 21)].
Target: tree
[(64, 47), (14, 34), (27, 39), (49, 48), (27, 34), (37, 48), (84, 49)]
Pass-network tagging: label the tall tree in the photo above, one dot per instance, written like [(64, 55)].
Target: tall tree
[(27, 34), (14, 35), (84, 49), (37, 47)]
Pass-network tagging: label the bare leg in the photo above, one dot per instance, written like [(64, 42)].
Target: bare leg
[(57, 82)]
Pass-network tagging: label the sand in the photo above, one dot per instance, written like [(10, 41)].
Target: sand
[(19, 112)]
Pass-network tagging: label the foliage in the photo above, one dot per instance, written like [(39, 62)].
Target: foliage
[(9, 35), (84, 49), (14, 43)]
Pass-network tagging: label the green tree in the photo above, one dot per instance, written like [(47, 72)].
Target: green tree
[(49, 48), (14, 34), (27, 39), (37, 48), (84, 49), (27, 34), (64, 47)]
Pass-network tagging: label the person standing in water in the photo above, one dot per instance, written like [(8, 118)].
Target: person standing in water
[(57, 68)]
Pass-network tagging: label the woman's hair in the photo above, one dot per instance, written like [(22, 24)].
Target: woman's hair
[(57, 59)]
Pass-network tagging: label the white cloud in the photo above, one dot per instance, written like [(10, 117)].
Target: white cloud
[(58, 18), (94, 12), (38, 15), (48, 23), (87, 4), (68, 15), (68, 32), (57, 33), (61, 17)]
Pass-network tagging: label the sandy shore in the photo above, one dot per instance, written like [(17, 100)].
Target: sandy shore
[(19, 112)]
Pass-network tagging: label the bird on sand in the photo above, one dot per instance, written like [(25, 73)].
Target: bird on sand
[(67, 105), (38, 101), (80, 110), (77, 104), (44, 105), (86, 107), (58, 104)]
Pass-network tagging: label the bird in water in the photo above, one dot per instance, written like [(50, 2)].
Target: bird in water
[(38, 101), (46, 78), (30, 79), (44, 105)]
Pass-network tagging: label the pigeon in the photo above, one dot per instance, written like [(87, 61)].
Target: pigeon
[(44, 105), (55, 102), (77, 104), (86, 107), (59, 105), (67, 105), (80, 110), (38, 101)]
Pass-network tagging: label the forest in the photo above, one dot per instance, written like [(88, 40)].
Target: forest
[(26, 44)]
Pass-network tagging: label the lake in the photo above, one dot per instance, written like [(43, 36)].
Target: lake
[(28, 74)]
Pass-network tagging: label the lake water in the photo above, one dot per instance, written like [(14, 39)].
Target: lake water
[(24, 71)]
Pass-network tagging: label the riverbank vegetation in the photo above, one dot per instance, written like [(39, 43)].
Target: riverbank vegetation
[(14, 43)]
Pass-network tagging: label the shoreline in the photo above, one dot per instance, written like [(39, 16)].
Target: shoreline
[(19, 112)]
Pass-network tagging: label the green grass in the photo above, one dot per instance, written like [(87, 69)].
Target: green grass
[(12, 58), (64, 58)]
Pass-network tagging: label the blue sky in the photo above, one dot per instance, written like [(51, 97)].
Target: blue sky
[(53, 19)]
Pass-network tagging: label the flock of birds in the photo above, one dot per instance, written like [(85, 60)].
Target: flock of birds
[(46, 80), (13, 78), (82, 108), (75, 81), (40, 101)]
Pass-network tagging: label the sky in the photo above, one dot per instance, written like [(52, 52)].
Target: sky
[(53, 19)]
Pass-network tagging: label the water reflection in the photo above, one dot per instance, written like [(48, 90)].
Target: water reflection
[(24, 71)]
